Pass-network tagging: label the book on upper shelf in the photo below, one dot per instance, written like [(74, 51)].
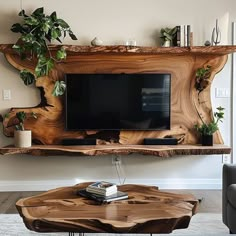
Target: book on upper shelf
[(103, 199), (183, 36), (102, 188)]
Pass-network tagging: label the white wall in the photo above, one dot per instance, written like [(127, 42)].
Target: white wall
[(114, 22)]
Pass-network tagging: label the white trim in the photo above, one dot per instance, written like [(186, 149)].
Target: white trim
[(6, 186), (233, 98)]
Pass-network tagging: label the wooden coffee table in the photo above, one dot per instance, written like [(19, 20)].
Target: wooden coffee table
[(147, 210)]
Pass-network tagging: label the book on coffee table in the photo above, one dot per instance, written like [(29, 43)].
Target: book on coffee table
[(102, 188), (102, 199)]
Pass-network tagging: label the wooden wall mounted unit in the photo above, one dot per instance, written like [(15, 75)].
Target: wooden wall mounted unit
[(181, 62)]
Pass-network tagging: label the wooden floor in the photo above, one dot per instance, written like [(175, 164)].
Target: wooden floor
[(211, 200)]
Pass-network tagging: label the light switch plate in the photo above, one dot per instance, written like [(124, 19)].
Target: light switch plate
[(6, 94), (222, 93)]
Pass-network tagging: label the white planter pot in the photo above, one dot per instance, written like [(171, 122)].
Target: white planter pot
[(166, 44), (23, 138)]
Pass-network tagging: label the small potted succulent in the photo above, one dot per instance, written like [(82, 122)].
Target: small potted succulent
[(208, 129), (22, 137), (167, 36)]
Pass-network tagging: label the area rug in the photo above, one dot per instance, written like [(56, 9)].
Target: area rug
[(202, 224)]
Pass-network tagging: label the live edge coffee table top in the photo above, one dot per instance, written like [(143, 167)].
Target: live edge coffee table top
[(147, 210)]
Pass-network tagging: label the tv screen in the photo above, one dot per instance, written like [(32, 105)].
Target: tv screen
[(117, 101)]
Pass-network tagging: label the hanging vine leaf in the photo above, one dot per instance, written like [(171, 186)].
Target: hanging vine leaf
[(37, 30), (27, 77), (59, 88), (61, 54)]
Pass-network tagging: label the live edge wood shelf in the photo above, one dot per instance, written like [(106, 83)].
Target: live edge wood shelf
[(187, 106), (161, 151), (147, 210)]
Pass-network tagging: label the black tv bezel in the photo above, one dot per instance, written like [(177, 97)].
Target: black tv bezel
[(119, 129)]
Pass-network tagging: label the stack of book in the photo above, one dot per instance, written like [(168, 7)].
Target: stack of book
[(102, 188), (102, 192), (184, 36)]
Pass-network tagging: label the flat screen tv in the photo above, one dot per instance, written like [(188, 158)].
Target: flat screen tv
[(117, 101)]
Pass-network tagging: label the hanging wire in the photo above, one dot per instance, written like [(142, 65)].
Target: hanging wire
[(120, 172), (21, 5)]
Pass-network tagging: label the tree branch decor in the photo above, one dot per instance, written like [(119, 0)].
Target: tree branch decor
[(37, 30)]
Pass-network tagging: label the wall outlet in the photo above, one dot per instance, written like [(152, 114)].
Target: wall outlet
[(116, 160), (225, 159)]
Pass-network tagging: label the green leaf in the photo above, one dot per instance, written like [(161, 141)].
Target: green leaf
[(54, 16), (61, 54), (38, 12), (59, 88), (17, 28), (27, 77), (46, 26), (21, 116), (28, 38), (31, 20), (55, 33), (49, 65), (63, 24), (22, 13), (73, 37), (44, 66)]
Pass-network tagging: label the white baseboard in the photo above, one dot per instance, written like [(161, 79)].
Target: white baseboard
[(7, 186)]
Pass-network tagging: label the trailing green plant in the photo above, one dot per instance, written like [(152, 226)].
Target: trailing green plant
[(21, 116), (167, 34), (202, 79), (212, 127), (37, 30)]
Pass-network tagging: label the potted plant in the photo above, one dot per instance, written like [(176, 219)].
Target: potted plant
[(167, 36), (37, 30), (208, 129), (22, 137)]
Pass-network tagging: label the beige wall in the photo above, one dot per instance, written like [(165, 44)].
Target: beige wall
[(114, 22)]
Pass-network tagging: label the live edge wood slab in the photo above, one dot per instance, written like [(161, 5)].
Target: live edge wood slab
[(147, 210), (96, 150), (187, 106)]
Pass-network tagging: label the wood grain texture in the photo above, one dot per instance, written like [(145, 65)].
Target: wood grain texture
[(182, 63), (147, 210), (98, 150)]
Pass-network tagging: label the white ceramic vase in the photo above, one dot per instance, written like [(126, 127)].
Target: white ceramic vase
[(23, 138), (166, 44)]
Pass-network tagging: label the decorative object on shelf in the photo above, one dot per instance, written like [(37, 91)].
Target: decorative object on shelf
[(216, 35), (207, 43), (167, 36), (208, 129), (22, 137), (37, 30), (131, 43), (96, 42), (202, 80)]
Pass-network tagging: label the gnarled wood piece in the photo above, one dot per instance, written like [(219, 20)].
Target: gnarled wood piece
[(147, 210), (182, 63), (155, 150)]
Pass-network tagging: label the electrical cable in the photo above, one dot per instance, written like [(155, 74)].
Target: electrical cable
[(120, 172)]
